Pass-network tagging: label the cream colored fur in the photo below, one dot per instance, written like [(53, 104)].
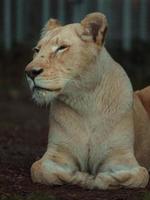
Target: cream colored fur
[(99, 132)]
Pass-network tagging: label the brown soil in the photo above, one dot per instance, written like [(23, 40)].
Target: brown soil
[(23, 139)]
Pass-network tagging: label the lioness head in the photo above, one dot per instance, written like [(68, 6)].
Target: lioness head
[(63, 54)]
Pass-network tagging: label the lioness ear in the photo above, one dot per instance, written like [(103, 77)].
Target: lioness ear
[(50, 25), (95, 27)]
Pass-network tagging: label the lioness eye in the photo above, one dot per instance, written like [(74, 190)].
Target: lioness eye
[(61, 48), (36, 49)]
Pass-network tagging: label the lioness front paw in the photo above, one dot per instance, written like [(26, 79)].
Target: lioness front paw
[(48, 172), (136, 177), (36, 172)]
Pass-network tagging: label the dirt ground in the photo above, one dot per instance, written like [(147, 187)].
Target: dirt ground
[(23, 139)]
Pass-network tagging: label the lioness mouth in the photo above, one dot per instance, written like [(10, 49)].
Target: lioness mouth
[(50, 90)]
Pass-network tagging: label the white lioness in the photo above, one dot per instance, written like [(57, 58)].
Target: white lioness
[(93, 140)]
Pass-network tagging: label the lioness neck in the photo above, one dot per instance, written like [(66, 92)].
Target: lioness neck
[(103, 76)]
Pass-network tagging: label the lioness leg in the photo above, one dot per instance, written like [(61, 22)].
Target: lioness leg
[(52, 169), (115, 173), (122, 169), (133, 178)]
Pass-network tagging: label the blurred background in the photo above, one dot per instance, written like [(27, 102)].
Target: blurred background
[(128, 38)]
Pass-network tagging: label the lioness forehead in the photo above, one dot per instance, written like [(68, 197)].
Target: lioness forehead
[(65, 33)]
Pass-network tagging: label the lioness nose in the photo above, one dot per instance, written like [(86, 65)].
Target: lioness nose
[(32, 73)]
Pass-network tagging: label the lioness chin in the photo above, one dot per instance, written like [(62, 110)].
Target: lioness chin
[(99, 131)]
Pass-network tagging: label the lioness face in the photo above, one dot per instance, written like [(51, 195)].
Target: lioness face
[(63, 54)]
